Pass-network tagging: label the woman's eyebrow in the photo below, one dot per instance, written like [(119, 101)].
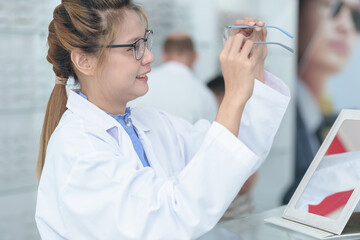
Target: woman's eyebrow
[(136, 38)]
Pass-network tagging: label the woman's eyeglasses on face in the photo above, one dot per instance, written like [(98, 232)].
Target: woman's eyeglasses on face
[(138, 46), (355, 13), (228, 30)]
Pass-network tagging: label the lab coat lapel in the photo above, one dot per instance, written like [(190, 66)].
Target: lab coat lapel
[(87, 110), (142, 131)]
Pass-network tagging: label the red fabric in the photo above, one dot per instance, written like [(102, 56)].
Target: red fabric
[(331, 203), (336, 147)]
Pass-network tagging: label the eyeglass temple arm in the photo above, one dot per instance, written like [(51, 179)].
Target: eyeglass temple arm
[(265, 26), (276, 43)]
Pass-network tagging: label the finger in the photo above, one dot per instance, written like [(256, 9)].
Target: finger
[(246, 49), (257, 52), (227, 45), (256, 22), (244, 31), (241, 22), (260, 24), (248, 21), (251, 20), (264, 34), (257, 36), (235, 31), (237, 44), (256, 49)]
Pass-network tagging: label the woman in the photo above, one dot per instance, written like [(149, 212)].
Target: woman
[(328, 32), (112, 172)]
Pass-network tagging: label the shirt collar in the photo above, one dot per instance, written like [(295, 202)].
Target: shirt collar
[(308, 108), (124, 117)]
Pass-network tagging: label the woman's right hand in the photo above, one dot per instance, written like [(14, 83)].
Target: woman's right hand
[(239, 62), (238, 68)]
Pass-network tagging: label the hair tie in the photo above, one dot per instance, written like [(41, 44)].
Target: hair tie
[(60, 80)]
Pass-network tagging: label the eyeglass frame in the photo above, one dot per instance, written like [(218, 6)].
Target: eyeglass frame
[(265, 26), (148, 35)]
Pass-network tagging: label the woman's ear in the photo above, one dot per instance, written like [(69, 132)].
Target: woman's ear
[(84, 62)]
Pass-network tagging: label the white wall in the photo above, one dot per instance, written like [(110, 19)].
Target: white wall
[(25, 86)]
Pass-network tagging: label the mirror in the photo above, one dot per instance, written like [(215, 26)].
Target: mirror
[(337, 175)]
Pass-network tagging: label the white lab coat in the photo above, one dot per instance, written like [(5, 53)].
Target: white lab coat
[(93, 185)]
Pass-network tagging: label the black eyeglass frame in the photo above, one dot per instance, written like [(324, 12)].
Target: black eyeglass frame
[(148, 33)]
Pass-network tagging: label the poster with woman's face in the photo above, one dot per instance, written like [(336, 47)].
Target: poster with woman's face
[(329, 53), (328, 74)]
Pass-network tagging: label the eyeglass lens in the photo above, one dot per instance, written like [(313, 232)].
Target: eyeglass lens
[(139, 49), (354, 13), (140, 45)]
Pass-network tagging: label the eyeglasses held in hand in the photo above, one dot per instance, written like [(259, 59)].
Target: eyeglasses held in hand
[(138, 46), (229, 29)]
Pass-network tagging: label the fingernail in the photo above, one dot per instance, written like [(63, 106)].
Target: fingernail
[(261, 22), (251, 23)]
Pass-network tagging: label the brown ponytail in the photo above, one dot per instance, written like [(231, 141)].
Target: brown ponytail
[(54, 110), (76, 24)]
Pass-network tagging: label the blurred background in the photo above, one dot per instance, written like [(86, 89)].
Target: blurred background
[(27, 80)]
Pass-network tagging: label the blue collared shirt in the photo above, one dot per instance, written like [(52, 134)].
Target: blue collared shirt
[(126, 123)]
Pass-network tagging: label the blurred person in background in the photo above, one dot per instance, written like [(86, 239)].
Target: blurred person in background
[(328, 32), (186, 96)]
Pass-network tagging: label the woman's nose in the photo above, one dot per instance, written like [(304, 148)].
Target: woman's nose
[(148, 57)]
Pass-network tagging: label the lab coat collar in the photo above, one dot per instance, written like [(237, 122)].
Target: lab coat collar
[(137, 121), (87, 110)]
